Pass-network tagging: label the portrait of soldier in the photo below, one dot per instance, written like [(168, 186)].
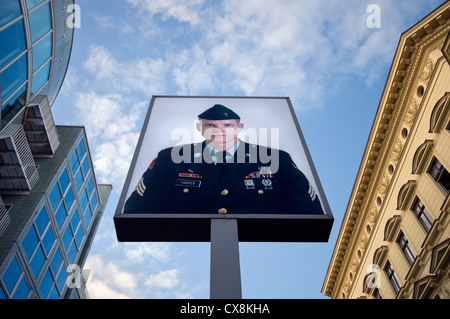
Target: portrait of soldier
[(223, 175)]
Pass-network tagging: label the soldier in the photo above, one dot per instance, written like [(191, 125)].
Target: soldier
[(223, 175)]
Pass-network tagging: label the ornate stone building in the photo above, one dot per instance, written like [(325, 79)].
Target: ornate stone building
[(394, 241)]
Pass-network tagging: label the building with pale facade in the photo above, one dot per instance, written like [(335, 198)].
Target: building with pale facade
[(394, 240)]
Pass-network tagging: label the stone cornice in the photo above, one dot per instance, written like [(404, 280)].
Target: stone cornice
[(385, 145)]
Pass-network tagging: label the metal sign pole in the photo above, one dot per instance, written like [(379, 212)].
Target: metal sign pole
[(225, 266)]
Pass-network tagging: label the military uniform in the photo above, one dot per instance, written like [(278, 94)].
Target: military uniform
[(254, 180)]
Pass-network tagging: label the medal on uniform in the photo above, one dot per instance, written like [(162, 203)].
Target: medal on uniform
[(267, 183), (249, 184)]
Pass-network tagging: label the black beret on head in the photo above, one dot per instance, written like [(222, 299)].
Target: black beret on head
[(219, 112)]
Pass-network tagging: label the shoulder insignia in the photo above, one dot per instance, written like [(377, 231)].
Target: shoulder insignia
[(152, 164), (140, 187), (311, 192)]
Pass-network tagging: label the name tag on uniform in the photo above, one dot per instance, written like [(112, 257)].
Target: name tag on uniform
[(187, 183)]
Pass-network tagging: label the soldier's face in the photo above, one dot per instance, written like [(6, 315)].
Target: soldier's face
[(220, 131)]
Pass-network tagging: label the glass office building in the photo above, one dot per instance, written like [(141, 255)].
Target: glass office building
[(50, 202)]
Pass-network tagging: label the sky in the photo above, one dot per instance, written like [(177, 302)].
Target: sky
[(330, 57)]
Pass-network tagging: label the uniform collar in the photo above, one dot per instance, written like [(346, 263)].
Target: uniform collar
[(231, 150)]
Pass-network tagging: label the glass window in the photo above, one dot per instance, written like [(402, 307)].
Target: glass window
[(85, 167), (78, 179), (32, 3), (30, 242), (42, 51), (56, 262), (69, 199), (10, 10), (64, 181), (54, 293), (83, 201), (440, 175), (40, 22), (423, 215), (93, 202), (13, 76), (55, 197), (74, 163), (90, 186), (2, 293), (60, 216), (42, 220), (38, 261), (72, 253), (392, 277), (13, 42), (15, 102), (46, 284), (406, 248), (67, 238), (40, 78), (12, 275), (48, 240), (23, 290), (81, 149)]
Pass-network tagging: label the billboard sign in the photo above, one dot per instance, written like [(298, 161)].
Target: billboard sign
[(203, 158)]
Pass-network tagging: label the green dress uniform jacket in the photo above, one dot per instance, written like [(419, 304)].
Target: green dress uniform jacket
[(248, 185)]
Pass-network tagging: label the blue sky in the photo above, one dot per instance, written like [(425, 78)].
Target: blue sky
[(321, 54)]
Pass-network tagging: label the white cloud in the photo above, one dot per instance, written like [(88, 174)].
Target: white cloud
[(185, 11), (139, 252), (111, 126), (145, 75), (107, 280), (165, 279)]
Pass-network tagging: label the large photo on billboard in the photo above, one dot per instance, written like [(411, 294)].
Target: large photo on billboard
[(222, 157)]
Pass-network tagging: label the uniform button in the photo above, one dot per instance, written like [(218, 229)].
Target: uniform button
[(222, 211), (185, 190), (224, 192), (260, 192)]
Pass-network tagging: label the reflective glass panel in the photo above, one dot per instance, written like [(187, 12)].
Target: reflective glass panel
[(40, 22), (42, 221), (32, 3), (12, 77), (74, 163), (10, 10), (81, 149), (69, 199), (48, 240), (23, 290), (85, 167), (64, 180), (14, 103), (83, 201), (67, 237), (90, 186), (46, 284), (42, 51), (54, 293), (55, 197), (60, 215), (2, 294), (12, 275), (78, 179), (12, 41), (38, 261), (72, 253), (40, 77), (61, 280), (30, 242), (93, 202), (56, 262)]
